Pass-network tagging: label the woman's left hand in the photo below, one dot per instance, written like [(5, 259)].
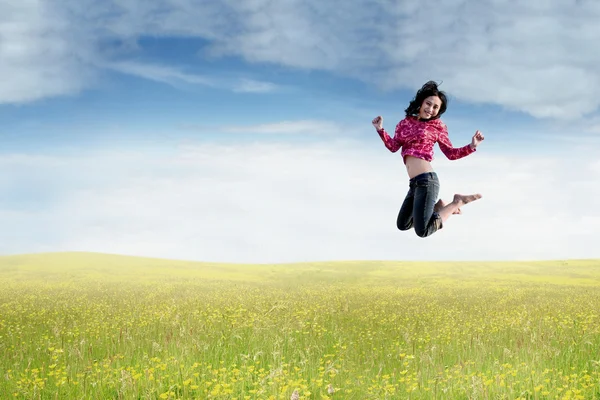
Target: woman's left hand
[(477, 138)]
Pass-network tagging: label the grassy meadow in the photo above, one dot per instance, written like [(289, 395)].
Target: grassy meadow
[(94, 326)]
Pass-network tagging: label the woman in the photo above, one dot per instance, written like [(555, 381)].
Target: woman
[(416, 135)]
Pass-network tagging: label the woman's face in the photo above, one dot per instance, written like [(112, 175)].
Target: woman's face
[(430, 107)]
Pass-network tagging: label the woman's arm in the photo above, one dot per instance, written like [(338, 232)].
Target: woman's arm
[(455, 153), (392, 144)]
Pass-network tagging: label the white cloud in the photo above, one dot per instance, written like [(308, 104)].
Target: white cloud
[(254, 86), (284, 127), (317, 128), (295, 202), (175, 76), (159, 73), (41, 53), (590, 125), (532, 56)]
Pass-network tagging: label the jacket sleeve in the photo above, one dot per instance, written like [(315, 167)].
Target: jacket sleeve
[(451, 152), (393, 144)]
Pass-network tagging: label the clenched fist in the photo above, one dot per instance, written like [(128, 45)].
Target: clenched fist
[(477, 138), (378, 122)]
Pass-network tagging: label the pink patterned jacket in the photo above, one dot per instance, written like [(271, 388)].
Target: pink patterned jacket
[(417, 138)]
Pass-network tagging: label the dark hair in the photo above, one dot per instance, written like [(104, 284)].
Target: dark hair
[(428, 89)]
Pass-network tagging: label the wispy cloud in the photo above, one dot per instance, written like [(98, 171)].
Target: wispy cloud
[(160, 73), (295, 202), (591, 125), (254, 86), (532, 57), (175, 76), (285, 128)]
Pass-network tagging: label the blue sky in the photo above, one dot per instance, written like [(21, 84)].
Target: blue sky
[(240, 131)]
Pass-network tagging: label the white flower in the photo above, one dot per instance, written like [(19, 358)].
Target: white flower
[(295, 395)]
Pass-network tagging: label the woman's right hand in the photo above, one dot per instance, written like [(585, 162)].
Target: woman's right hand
[(378, 122)]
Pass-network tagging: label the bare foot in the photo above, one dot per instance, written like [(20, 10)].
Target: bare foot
[(454, 207), (462, 199), (441, 204)]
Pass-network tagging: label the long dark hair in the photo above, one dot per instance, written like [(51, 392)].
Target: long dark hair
[(428, 89)]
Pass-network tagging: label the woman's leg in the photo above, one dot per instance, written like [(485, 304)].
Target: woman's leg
[(454, 207), (426, 219), (405, 216), (441, 204)]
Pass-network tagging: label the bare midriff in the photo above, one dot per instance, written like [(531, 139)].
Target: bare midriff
[(416, 166)]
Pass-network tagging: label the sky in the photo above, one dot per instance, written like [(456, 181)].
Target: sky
[(240, 130)]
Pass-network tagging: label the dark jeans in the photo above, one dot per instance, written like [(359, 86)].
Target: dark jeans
[(417, 208)]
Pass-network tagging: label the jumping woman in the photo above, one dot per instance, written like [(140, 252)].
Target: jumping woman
[(416, 134)]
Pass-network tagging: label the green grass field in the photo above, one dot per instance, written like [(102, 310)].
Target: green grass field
[(93, 326)]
